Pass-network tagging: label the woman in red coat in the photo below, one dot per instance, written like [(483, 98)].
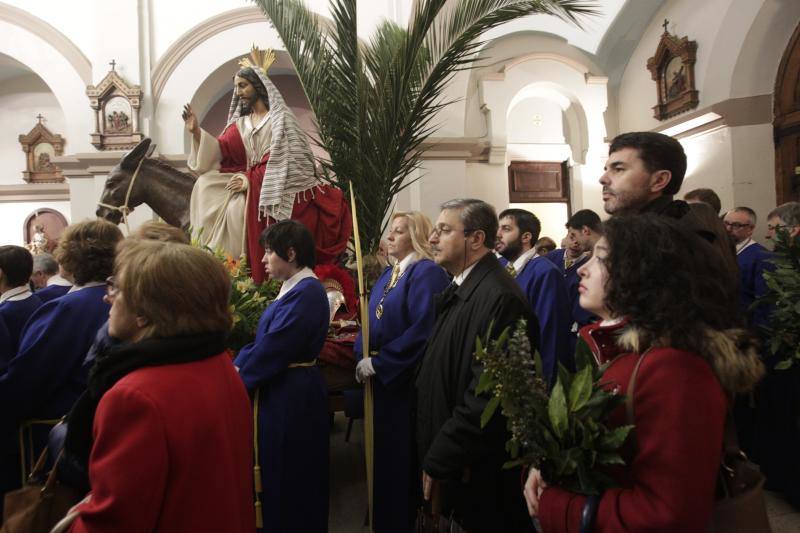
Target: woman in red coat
[(165, 425), (665, 296)]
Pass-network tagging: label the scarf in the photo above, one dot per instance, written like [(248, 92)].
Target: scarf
[(290, 169), (112, 364)]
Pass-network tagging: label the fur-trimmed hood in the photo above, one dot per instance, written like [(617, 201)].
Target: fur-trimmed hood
[(732, 353)]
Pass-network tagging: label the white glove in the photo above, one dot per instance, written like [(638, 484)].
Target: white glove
[(364, 369)]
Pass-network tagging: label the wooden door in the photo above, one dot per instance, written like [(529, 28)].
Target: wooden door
[(787, 123), (539, 182)]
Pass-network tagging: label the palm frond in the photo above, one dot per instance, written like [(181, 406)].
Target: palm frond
[(376, 103)]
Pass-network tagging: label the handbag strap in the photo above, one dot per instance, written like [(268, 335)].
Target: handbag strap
[(730, 441), (629, 395)]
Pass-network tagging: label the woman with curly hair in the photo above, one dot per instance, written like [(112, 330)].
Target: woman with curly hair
[(667, 316), (44, 378)]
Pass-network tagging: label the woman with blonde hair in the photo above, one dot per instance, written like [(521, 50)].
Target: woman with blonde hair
[(165, 426), (401, 315)]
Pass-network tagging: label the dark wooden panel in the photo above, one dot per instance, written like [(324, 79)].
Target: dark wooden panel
[(533, 181)]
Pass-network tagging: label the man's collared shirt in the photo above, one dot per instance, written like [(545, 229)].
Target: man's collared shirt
[(289, 284)]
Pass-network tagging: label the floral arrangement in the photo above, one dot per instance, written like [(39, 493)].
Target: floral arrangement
[(248, 299), (783, 293), (562, 433)]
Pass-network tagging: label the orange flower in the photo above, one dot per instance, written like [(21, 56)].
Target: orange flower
[(231, 264)]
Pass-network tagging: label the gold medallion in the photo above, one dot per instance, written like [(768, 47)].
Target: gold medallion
[(379, 311)]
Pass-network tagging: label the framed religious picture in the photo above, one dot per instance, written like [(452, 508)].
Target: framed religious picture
[(116, 108), (41, 146), (672, 68)]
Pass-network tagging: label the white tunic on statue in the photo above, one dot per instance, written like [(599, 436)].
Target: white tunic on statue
[(217, 216)]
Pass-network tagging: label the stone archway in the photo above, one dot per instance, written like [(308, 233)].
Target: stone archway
[(787, 123), (52, 223)]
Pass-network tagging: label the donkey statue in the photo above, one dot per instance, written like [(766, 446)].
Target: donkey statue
[(137, 180)]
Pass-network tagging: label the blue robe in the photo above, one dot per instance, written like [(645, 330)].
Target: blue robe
[(753, 261), (6, 349), (15, 313), (546, 291), (580, 316), (45, 377), (399, 337), (52, 292), (293, 419)]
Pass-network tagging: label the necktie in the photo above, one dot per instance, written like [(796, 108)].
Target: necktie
[(445, 297), (511, 270), (395, 275)]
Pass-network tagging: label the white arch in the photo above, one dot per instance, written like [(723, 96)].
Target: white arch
[(190, 74), (762, 48), (582, 97), (58, 62)]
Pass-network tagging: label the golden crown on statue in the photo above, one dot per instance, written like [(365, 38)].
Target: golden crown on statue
[(260, 59)]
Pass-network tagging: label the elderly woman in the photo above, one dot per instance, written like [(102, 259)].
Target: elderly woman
[(401, 313), (290, 397), (44, 378), (165, 424), (664, 300)]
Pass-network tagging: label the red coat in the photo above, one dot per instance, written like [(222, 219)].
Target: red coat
[(173, 451), (668, 484)]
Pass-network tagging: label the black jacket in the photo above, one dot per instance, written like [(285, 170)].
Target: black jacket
[(450, 440)]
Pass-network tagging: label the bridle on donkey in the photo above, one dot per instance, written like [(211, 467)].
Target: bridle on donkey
[(124, 209)]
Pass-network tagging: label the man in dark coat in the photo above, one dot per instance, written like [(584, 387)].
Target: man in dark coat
[(460, 461), (643, 172)]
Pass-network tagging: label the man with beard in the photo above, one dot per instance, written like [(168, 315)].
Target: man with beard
[(462, 462), (643, 172), (260, 170), (542, 284)]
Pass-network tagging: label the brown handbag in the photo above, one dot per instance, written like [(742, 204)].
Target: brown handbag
[(739, 505), (37, 507)]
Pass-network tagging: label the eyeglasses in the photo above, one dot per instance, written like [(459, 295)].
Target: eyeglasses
[(736, 225), (778, 227), (443, 230), (111, 287)]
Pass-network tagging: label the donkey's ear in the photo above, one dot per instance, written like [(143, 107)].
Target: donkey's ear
[(132, 158), (150, 150)]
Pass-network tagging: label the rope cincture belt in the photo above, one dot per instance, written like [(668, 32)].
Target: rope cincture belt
[(256, 463), (124, 209)]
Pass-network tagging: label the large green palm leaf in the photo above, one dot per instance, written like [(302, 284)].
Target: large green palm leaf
[(375, 102)]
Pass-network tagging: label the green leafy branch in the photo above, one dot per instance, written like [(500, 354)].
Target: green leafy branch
[(563, 433), (783, 294)]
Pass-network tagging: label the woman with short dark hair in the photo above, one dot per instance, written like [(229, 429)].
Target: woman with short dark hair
[(279, 369), (45, 377), (164, 426), (661, 293)]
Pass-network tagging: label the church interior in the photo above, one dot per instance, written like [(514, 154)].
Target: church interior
[(528, 124)]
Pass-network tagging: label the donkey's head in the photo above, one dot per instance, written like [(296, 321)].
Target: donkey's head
[(119, 181)]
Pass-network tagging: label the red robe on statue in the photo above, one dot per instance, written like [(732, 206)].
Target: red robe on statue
[(322, 209)]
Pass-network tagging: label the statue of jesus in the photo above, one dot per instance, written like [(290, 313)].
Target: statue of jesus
[(260, 170)]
